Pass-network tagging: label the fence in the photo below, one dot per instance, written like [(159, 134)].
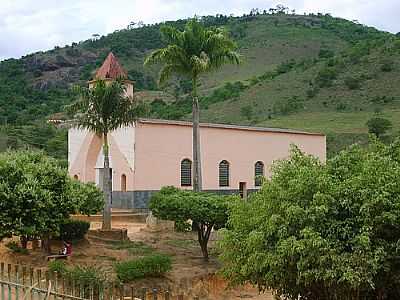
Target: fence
[(26, 283)]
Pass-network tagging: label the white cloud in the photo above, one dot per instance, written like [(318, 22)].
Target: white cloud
[(29, 25)]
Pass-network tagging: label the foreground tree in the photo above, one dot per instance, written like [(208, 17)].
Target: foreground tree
[(37, 196), (321, 232), (207, 211), (102, 109), (191, 53)]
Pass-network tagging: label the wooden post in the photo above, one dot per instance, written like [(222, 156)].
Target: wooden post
[(166, 295), (144, 294), (132, 293), (121, 291), (9, 280), (2, 277), (155, 292), (16, 281)]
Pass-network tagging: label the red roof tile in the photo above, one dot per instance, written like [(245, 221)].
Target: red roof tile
[(111, 69)]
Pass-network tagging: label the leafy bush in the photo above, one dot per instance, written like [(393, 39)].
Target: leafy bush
[(149, 266), (16, 248), (72, 230), (341, 106), (311, 92), (387, 65), (321, 230), (352, 83), (325, 53), (247, 112), (58, 266), (228, 91), (326, 76), (86, 276), (378, 126), (206, 210), (83, 276), (288, 106), (286, 66)]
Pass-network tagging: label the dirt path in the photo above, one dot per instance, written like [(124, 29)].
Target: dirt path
[(191, 274)]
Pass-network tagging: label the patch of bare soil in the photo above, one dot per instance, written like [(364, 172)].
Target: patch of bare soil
[(191, 275)]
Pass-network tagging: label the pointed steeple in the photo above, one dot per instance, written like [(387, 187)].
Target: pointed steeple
[(111, 69)]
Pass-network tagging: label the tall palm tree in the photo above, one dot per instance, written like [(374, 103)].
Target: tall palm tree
[(190, 53), (101, 109)]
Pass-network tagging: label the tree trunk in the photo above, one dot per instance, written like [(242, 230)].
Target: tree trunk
[(203, 233), (107, 186), (46, 244), (24, 241), (197, 179)]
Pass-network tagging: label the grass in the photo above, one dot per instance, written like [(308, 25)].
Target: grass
[(133, 247)]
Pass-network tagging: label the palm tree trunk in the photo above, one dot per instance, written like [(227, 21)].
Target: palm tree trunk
[(107, 185), (197, 179)]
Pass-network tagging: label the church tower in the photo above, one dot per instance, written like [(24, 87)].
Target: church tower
[(112, 70)]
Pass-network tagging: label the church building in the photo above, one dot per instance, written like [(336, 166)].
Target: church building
[(153, 153)]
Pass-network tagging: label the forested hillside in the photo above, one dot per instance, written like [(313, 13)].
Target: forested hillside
[(312, 72)]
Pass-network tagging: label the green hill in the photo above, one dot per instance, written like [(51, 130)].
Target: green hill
[(312, 72)]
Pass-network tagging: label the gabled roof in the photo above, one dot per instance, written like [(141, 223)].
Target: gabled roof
[(228, 126), (111, 69)]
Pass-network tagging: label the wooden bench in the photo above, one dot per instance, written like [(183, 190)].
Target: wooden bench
[(58, 256)]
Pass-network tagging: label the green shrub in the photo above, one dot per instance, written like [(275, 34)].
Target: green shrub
[(73, 230), (247, 112), (387, 66), (58, 266), (326, 76), (378, 126), (285, 67), (352, 83), (288, 106), (325, 53), (149, 266), (16, 248), (311, 92), (86, 276)]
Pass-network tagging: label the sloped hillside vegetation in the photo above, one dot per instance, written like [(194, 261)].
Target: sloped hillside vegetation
[(312, 72)]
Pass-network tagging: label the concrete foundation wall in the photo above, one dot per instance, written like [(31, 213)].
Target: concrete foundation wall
[(141, 199)]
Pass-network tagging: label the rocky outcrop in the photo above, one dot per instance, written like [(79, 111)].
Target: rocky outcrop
[(56, 70)]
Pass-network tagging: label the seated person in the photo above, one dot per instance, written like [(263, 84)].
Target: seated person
[(67, 249)]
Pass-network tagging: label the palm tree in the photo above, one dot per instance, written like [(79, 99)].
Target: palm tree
[(190, 53), (101, 109)]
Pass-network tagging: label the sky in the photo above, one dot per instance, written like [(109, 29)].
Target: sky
[(28, 26)]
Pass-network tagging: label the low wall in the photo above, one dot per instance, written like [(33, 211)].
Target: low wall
[(141, 199)]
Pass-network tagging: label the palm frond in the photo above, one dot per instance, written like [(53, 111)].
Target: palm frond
[(104, 107), (193, 51)]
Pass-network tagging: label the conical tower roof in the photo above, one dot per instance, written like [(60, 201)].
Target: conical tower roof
[(111, 69)]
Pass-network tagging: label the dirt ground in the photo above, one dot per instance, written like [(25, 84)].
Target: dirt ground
[(191, 274)]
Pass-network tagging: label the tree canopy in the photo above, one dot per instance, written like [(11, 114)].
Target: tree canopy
[(206, 210), (321, 231), (379, 126), (195, 50), (37, 195)]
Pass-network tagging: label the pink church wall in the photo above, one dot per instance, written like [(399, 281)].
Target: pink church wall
[(160, 148)]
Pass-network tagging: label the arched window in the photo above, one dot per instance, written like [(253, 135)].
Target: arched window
[(186, 172), (224, 173), (123, 183), (76, 177), (258, 173)]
